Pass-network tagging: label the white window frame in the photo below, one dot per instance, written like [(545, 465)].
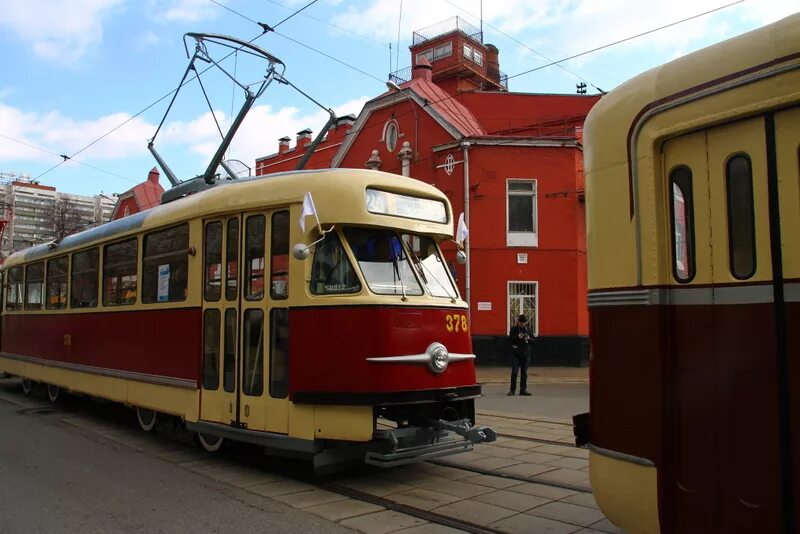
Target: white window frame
[(467, 51), (523, 239), (513, 312), (384, 137), (477, 57)]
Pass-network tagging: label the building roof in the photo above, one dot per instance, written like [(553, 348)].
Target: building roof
[(146, 195), (450, 109)]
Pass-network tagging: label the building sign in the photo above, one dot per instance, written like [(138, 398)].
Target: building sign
[(163, 283), (522, 257), (484, 306)]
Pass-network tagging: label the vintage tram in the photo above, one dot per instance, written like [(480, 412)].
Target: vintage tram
[(338, 339), (693, 200)]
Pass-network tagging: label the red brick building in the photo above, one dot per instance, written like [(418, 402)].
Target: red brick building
[(512, 162), (139, 198)]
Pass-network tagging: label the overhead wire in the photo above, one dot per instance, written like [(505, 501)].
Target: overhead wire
[(147, 108), (627, 38)]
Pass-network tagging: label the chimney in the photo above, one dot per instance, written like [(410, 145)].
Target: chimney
[(340, 128), (493, 63), (283, 144), (153, 175), (423, 69), (304, 134)]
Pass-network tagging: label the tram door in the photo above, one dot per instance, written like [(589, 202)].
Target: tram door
[(239, 313), (724, 425)]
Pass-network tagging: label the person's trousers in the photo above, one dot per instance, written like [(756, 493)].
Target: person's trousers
[(519, 364)]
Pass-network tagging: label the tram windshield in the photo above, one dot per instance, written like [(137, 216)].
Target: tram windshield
[(429, 265), (384, 261)]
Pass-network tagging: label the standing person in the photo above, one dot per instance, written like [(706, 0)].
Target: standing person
[(521, 338)]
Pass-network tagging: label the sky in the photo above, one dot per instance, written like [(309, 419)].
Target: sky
[(84, 79)]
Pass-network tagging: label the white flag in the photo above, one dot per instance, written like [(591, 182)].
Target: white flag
[(462, 232), (308, 209)]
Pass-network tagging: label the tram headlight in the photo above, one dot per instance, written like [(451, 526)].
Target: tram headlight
[(439, 357)]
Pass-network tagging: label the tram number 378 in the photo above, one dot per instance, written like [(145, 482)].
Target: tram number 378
[(456, 322)]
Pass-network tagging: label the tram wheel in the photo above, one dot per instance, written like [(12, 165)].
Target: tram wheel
[(209, 443), (53, 392), (27, 386), (147, 418)]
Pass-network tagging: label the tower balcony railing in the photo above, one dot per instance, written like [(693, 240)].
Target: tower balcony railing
[(447, 26)]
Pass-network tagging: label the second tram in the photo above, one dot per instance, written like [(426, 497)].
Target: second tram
[(693, 210)]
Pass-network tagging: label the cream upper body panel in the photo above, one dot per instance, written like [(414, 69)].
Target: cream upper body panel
[(721, 83), (339, 197)]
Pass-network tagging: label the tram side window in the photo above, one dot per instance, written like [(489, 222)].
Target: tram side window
[(34, 286), (332, 272), (213, 262), (254, 257), (57, 283), (741, 217), (211, 349), (683, 266), (120, 270), (14, 291), (83, 291), (229, 360), (165, 265), (279, 353), (232, 261), (253, 344), (279, 256)]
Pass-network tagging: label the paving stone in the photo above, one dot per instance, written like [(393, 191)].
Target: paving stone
[(458, 489), (491, 481), (475, 512), (336, 511), (567, 476), (382, 522), (589, 531), (305, 499), (179, 456), (430, 528), (513, 500), (444, 471), (607, 526), (569, 513), (424, 499), (537, 457), (252, 479), (495, 451), (559, 449), (582, 499), (543, 490), (282, 487), (520, 444), (492, 464), (380, 487), (570, 463), (528, 524), (527, 469)]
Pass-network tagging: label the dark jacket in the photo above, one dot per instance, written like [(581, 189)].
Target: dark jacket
[(521, 339)]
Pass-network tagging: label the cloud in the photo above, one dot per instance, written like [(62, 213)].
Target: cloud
[(189, 11), (59, 134), (55, 29)]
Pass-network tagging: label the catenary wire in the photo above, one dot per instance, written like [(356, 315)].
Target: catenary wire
[(627, 39)]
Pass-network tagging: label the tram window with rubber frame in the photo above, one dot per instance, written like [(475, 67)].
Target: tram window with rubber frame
[(120, 272), (14, 289), (34, 286), (57, 283), (741, 216), (682, 221), (84, 279), (165, 264)]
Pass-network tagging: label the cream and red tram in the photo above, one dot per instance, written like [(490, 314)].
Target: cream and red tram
[(355, 346), (693, 214)]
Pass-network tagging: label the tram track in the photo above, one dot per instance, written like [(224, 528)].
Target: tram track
[(535, 440), (248, 457)]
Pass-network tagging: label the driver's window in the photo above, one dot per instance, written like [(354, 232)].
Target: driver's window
[(332, 272)]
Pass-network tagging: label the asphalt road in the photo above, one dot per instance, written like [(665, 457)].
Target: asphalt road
[(55, 477)]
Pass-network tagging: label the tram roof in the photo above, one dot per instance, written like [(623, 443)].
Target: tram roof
[(339, 197), (607, 125)]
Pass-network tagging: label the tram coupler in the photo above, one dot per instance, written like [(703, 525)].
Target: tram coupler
[(463, 427)]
